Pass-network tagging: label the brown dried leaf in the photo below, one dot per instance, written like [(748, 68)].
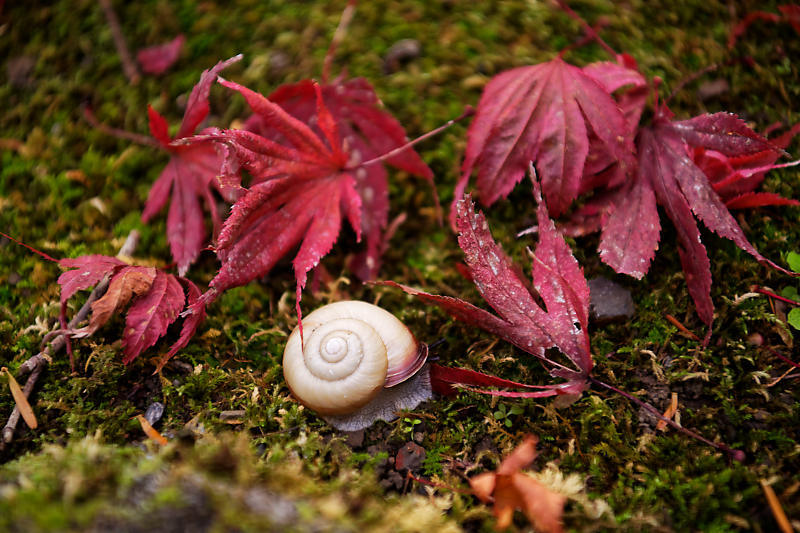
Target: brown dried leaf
[(21, 400), (511, 489), (150, 431), (129, 281)]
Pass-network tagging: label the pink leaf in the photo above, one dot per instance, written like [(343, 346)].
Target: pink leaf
[(542, 114), (630, 234), (723, 132), (151, 314), (197, 107), (559, 283), (89, 270), (190, 323), (187, 180), (758, 199), (157, 59), (368, 131)]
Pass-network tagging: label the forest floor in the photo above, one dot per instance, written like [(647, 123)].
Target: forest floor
[(242, 454)]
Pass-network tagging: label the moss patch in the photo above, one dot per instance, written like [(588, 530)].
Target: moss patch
[(69, 189)]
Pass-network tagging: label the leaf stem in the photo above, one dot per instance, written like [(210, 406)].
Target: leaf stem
[(31, 248), (586, 27), (138, 138), (434, 484), (766, 292), (128, 64), (736, 455), (468, 112), (784, 359)]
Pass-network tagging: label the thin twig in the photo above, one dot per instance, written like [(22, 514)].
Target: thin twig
[(128, 64), (36, 364), (677, 323), (736, 455), (586, 27), (116, 132), (338, 37)]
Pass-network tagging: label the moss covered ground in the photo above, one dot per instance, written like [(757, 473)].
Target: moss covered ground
[(69, 190)]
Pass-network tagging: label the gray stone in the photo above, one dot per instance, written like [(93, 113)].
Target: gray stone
[(610, 301)]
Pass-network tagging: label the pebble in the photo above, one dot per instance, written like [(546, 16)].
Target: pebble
[(154, 413), (409, 457), (610, 301), (399, 53)]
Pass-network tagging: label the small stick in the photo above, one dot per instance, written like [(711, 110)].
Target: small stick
[(138, 138), (128, 65), (586, 27), (776, 508), (736, 455), (338, 37), (36, 364), (677, 323)]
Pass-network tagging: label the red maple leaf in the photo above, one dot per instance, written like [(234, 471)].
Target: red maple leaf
[(157, 59), (302, 191), (558, 281), (550, 114), (668, 176), (189, 177), (155, 299), (735, 178), (509, 489), (368, 131), (789, 13)]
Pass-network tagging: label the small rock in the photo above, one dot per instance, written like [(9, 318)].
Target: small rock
[(712, 89), (755, 339), (19, 71), (280, 511), (154, 413), (392, 480), (355, 438), (409, 457), (400, 53), (235, 415), (14, 278), (279, 62), (610, 301)]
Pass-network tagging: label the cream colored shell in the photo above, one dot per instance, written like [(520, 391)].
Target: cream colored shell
[(352, 350)]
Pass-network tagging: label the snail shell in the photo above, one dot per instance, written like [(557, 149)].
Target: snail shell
[(352, 350)]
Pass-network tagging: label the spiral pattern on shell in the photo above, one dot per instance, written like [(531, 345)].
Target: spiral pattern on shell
[(351, 349)]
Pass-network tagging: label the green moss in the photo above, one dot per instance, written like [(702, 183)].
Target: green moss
[(61, 170)]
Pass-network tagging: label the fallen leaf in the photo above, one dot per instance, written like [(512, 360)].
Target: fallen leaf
[(547, 114), (157, 59), (189, 177), (668, 176), (151, 432), (155, 297), (558, 281), (509, 490), (129, 281), (21, 400), (368, 131), (303, 187)]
